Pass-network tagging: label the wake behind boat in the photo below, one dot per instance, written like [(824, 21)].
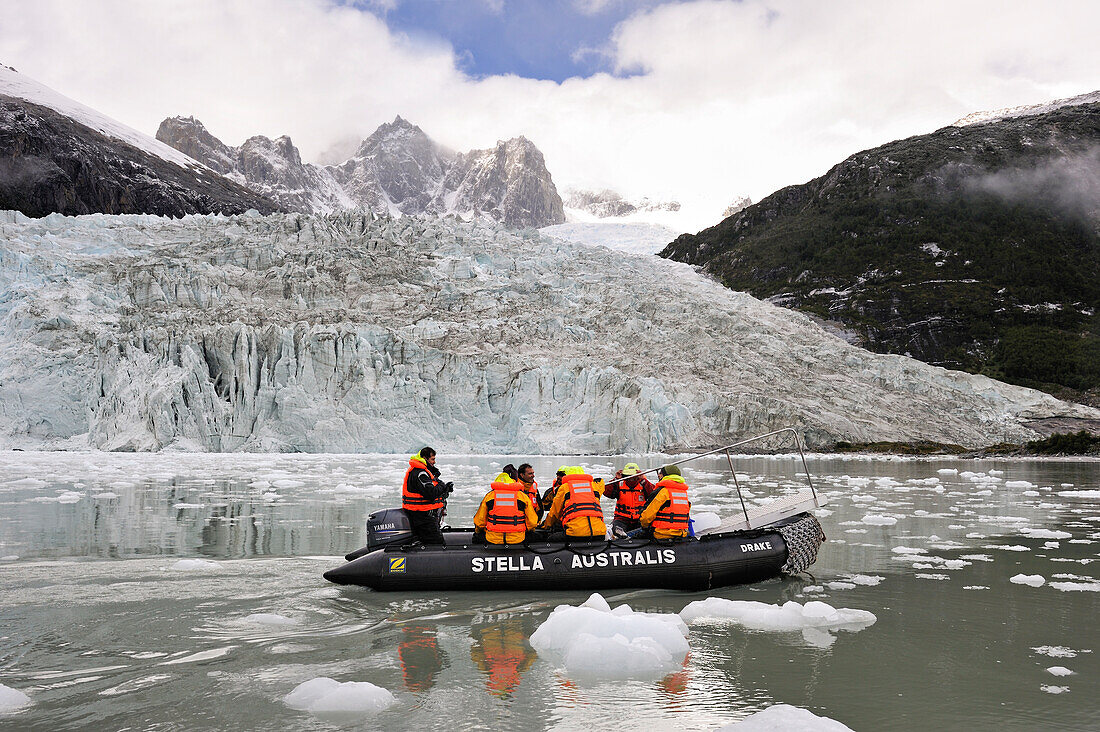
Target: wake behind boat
[(777, 538)]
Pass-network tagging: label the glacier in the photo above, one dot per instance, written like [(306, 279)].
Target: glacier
[(357, 332)]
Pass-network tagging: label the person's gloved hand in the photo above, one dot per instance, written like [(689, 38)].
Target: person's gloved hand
[(450, 486)]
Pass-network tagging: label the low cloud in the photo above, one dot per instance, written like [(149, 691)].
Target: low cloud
[(1069, 185)]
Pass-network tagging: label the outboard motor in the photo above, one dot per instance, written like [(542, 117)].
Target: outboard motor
[(388, 526)]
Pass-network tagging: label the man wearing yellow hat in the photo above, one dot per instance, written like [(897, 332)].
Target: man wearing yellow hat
[(632, 491)]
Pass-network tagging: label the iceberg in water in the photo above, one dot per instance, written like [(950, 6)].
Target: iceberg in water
[(594, 641), (324, 695)]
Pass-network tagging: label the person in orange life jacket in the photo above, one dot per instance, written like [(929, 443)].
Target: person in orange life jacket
[(424, 497), (576, 506), (531, 487), (632, 491), (667, 513), (505, 514), (548, 497)]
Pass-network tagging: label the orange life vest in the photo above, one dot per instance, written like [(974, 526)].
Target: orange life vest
[(631, 501), (581, 501), (674, 515), (411, 501), (532, 490), (507, 515)]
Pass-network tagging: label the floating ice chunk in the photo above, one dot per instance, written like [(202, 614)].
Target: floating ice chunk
[(181, 506), (1019, 484), (1046, 534), (976, 557), (872, 520), (858, 482), (1079, 494), (28, 483), (12, 700), (788, 616), (1034, 580), (610, 657), (287, 483), (1076, 586), (1059, 671), (591, 640), (9, 558), (932, 576), (259, 484), (705, 521), (841, 585), (975, 587), (1054, 689), (194, 565), (268, 619), (323, 694), (1057, 651), (785, 718), (69, 497), (996, 472), (867, 580), (948, 471), (1030, 494), (908, 550), (1008, 547)]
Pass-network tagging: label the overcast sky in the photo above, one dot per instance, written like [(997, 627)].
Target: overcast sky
[(698, 101)]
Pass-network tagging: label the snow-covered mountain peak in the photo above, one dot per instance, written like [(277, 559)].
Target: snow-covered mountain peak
[(20, 86), (398, 170)]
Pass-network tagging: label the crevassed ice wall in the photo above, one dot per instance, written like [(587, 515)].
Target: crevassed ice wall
[(348, 333)]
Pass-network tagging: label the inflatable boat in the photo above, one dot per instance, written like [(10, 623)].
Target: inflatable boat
[(764, 541), (391, 563)]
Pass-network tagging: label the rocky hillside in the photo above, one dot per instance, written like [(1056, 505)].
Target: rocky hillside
[(398, 170), (57, 156), (975, 247), (350, 332)]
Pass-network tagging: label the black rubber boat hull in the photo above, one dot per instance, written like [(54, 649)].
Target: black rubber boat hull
[(695, 564)]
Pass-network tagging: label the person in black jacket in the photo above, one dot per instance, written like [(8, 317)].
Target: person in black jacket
[(424, 497)]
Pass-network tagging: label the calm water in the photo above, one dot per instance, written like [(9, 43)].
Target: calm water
[(101, 630)]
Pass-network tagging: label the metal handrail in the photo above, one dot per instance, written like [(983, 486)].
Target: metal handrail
[(729, 458)]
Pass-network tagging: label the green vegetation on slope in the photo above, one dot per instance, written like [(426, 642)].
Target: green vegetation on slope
[(976, 248)]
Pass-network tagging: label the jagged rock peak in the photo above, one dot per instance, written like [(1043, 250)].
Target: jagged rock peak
[(190, 137), (397, 170)]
